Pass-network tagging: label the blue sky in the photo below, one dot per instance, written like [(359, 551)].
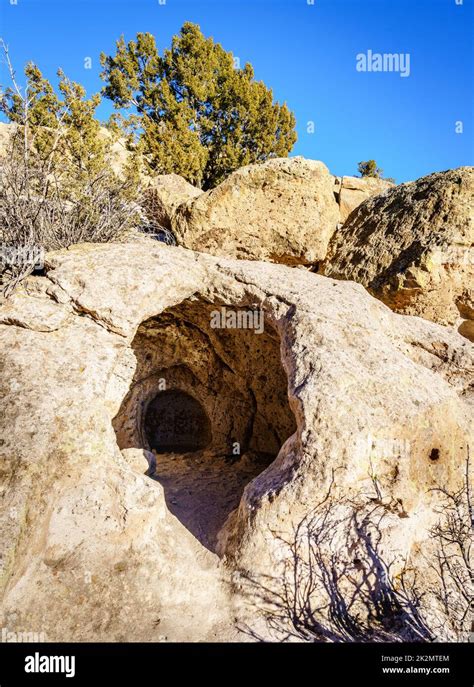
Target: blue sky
[(307, 54)]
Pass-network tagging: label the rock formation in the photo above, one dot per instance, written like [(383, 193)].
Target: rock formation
[(119, 153), (165, 193), (339, 418), (283, 211), (413, 247), (6, 131), (352, 191)]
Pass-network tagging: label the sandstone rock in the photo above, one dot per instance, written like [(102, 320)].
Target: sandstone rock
[(164, 194), (140, 460), (338, 403), (352, 191), (412, 247), (282, 211)]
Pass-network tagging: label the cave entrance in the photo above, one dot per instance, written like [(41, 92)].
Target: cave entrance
[(210, 402), (176, 422)]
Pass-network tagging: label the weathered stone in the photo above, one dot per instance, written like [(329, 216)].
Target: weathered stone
[(352, 191), (163, 196), (6, 131), (119, 153), (283, 210), (378, 413), (140, 460), (413, 247)]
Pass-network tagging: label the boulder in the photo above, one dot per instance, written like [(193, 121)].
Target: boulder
[(326, 430), (283, 211), (164, 194), (352, 191), (412, 247)]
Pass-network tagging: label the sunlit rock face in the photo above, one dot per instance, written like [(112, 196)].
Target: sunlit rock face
[(413, 247), (283, 210), (326, 440), (350, 192)]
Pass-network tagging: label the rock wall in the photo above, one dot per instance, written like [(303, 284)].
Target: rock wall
[(94, 549)]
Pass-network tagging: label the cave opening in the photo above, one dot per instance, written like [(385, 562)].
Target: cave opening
[(176, 422), (210, 403)]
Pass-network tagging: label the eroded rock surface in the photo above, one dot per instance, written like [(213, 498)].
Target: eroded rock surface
[(352, 191), (413, 247), (283, 211), (348, 407), (164, 194)]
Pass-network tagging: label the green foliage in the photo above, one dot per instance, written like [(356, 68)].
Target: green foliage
[(195, 113), (62, 131), (57, 185), (370, 169), (86, 147), (41, 93)]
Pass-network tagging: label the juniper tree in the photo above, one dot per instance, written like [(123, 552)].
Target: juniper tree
[(195, 111), (369, 169)]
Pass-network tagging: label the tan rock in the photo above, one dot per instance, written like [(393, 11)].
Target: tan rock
[(352, 191), (338, 404), (412, 247), (163, 196), (283, 210), (140, 460)]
